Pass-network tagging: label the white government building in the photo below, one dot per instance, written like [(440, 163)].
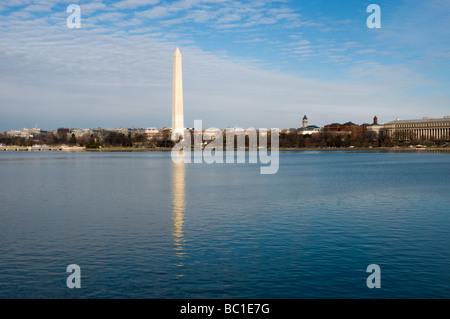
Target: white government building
[(424, 129)]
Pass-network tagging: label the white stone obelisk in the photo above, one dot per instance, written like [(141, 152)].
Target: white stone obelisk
[(177, 97)]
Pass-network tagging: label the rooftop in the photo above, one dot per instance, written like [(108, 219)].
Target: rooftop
[(425, 119)]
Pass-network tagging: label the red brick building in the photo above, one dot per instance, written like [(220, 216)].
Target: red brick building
[(348, 127)]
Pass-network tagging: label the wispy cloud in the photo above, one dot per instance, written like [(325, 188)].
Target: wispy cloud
[(92, 7), (133, 4), (154, 13), (117, 68)]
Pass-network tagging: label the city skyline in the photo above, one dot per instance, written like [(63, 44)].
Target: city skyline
[(300, 124), (248, 64)]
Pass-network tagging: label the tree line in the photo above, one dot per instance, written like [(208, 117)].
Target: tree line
[(343, 139), (291, 139), (93, 140)]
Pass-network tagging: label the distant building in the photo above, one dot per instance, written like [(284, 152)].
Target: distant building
[(25, 132), (308, 129), (121, 129), (98, 130), (305, 122), (63, 130), (421, 130), (374, 127), (135, 130), (154, 133), (346, 128), (80, 132), (151, 131)]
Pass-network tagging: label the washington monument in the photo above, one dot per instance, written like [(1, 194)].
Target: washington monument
[(177, 97)]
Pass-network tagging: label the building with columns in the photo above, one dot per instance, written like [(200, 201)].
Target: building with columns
[(432, 129)]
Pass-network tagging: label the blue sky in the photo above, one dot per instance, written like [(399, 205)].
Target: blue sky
[(245, 63)]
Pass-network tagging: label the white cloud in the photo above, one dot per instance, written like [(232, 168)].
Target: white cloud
[(133, 4), (38, 8), (154, 13), (221, 14), (253, 40), (127, 81), (120, 77), (200, 16), (229, 18), (15, 3), (108, 16), (89, 8)]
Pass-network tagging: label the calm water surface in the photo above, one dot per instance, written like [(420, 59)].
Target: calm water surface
[(140, 226)]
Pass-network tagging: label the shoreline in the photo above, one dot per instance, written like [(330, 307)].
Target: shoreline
[(168, 149)]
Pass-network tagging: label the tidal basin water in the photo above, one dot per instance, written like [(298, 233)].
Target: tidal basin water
[(140, 226)]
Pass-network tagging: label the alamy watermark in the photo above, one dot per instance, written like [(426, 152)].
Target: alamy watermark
[(74, 19), (374, 20), (208, 146), (74, 279), (374, 280)]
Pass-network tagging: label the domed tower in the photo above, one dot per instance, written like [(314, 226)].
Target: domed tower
[(305, 122), (375, 120)]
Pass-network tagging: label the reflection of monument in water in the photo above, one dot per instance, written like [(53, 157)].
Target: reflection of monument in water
[(179, 204), (178, 169)]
